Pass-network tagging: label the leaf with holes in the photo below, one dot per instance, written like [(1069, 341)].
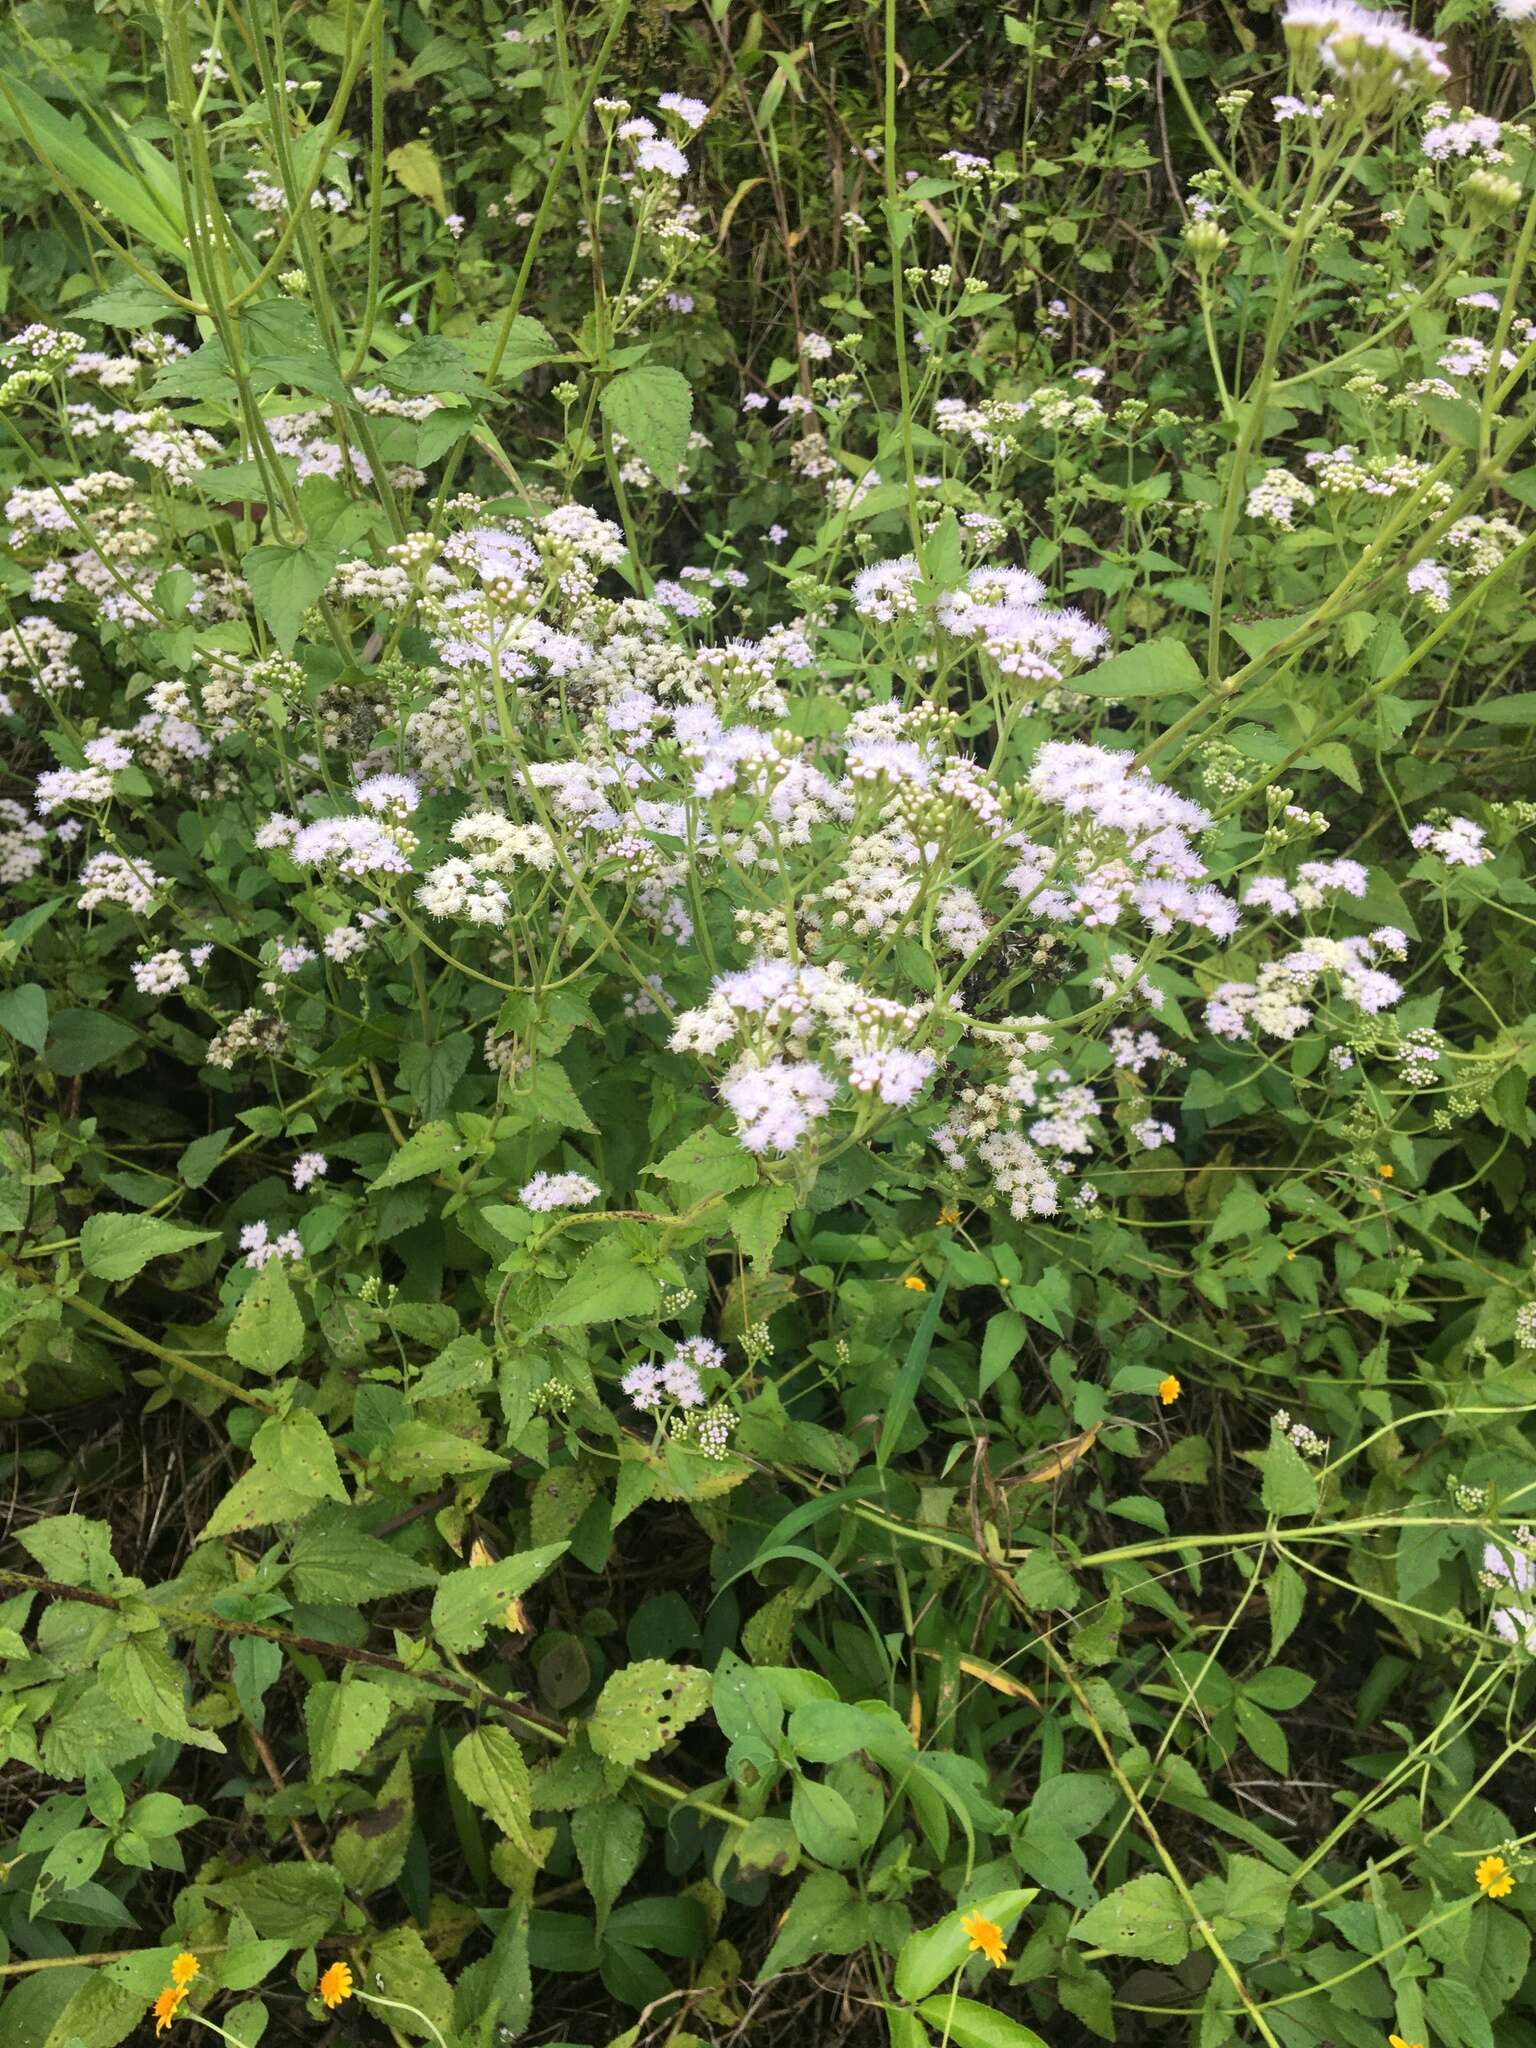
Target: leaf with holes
[(642, 1707)]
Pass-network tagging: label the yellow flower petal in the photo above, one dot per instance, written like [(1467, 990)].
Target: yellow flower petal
[(986, 1938), (336, 1984), (167, 2005)]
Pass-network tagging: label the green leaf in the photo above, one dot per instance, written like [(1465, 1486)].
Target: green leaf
[(117, 1247), (24, 1014), (127, 305), (1143, 1918), (642, 1707), (296, 1903), (344, 1719), (1243, 1213), (415, 166), (284, 346), (826, 1731), (1158, 668), (903, 1395), (1287, 1596), (467, 1601), (970, 2024), (79, 1040), (255, 1665), (259, 1499), (145, 1972), (432, 363), (606, 1286), (932, 1955), (298, 1449), (1456, 419), (758, 1220), (331, 1561), (652, 407), (825, 1824), (1290, 1487), (609, 1838), (99, 2014), (247, 1963), (202, 1156), (139, 198), (491, 1771), (404, 1965), (1001, 1343), (420, 1452), (428, 1150), (528, 345), (143, 1678), (246, 2023), (1518, 708), (824, 1918), (285, 578), (549, 1098), (710, 1160), (369, 1849), (267, 1331), (73, 1548), (430, 1073)]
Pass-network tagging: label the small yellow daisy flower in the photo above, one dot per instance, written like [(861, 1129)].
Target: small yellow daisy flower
[(336, 1985), (986, 1937), (1397, 2041), (184, 1968), (167, 2005), (917, 1284), (1494, 1877), (1386, 1172), (1169, 1390), (949, 1214)]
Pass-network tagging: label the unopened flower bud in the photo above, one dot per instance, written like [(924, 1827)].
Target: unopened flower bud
[(1489, 194), (1205, 240)]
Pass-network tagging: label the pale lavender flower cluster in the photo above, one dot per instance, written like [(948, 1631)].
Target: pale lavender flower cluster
[(260, 1246), (1458, 842), (1365, 50), (1276, 1003), (678, 1379), (548, 1191)]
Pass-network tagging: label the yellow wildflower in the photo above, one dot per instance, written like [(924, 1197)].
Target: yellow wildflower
[(1495, 1877), (949, 1213), (184, 1969), (1169, 1390), (1397, 2041), (1386, 1172), (167, 2005), (336, 1984), (986, 1937), (916, 1283)]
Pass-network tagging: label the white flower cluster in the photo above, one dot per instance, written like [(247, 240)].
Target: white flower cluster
[(678, 1379), (558, 1191), (1458, 842)]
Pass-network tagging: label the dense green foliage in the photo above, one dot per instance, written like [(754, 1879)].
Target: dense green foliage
[(767, 842)]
